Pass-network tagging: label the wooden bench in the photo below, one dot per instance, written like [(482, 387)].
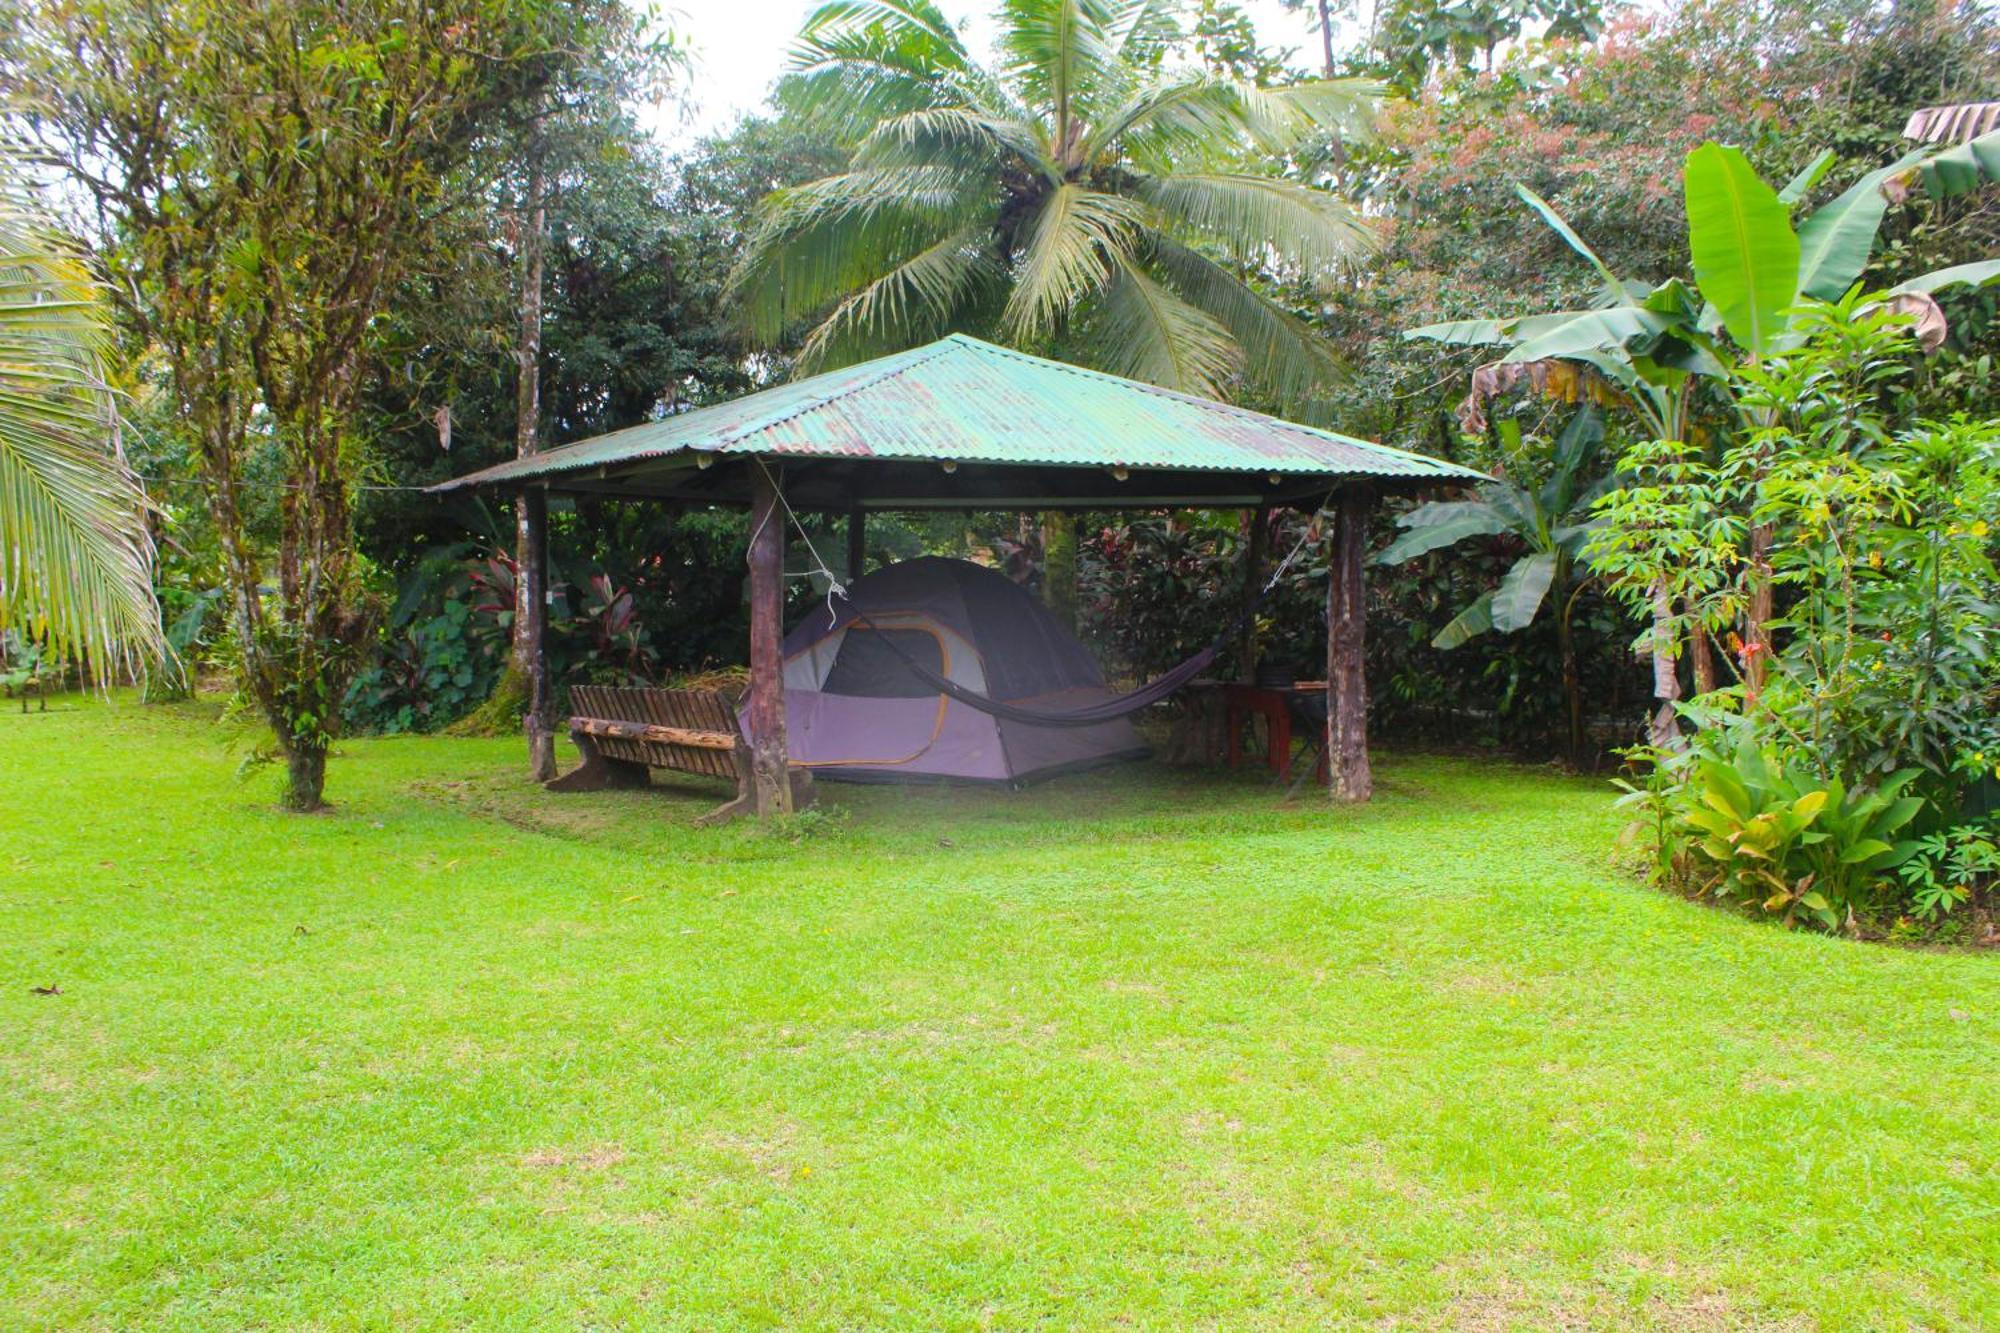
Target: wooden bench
[(624, 733)]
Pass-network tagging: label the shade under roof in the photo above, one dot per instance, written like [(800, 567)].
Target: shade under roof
[(963, 423)]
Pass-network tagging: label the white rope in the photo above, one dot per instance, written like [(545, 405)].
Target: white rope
[(834, 587)]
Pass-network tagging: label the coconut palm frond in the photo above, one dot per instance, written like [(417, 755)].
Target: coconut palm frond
[(1143, 29), (1195, 115), (1282, 357), (75, 562), (858, 61), (1061, 54), (1344, 107), (1076, 236), (1146, 332), (955, 136), (918, 297), (820, 241), (1265, 219)]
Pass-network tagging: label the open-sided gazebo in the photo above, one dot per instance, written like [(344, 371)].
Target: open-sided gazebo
[(963, 424)]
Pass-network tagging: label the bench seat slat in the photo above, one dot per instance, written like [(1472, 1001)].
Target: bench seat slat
[(655, 732)]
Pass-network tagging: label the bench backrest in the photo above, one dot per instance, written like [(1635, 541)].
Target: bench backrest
[(693, 731)]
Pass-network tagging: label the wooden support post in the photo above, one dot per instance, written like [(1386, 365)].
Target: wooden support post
[(1254, 542), (857, 544), (540, 720), (769, 755), (1346, 629)]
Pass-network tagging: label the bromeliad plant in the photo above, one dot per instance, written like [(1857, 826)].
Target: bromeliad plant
[(1550, 522)]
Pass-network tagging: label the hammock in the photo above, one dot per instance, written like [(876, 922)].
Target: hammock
[(1090, 715)]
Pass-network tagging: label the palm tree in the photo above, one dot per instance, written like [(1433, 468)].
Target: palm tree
[(1087, 197), (75, 559)]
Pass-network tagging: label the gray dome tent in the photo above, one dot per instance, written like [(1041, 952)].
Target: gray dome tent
[(855, 711)]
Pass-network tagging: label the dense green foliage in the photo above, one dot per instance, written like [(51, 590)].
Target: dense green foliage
[(1135, 1047)]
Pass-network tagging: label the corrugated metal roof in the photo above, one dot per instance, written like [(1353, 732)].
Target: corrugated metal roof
[(967, 401)]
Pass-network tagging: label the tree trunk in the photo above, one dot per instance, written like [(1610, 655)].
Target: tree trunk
[(305, 776), (1757, 614), (1703, 653), (770, 759), (1665, 731), (1572, 677), (528, 379), (1059, 566), (540, 720), (1346, 675), (1326, 34)]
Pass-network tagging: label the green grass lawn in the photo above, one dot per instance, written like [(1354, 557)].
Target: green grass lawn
[(1144, 1049)]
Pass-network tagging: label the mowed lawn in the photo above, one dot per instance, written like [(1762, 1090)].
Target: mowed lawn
[(1145, 1049)]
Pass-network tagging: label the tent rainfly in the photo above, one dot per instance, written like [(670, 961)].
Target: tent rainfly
[(963, 424)]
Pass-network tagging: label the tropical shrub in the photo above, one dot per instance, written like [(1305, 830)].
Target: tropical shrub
[(1737, 821), (1841, 790)]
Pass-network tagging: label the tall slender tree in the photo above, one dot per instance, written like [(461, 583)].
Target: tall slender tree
[(264, 172)]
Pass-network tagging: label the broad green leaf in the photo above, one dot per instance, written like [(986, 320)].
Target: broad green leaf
[(1977, 274), (1863, 849), (1835, 242), (1521, 592), (1798, 186), (1614, 290), (1746, 257), (1724, 779), (1586, 331), (1441, 524), (1809, 805), (1469, 624), (1965, 168)]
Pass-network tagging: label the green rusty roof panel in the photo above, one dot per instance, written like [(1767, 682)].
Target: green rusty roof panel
[(963, 400)]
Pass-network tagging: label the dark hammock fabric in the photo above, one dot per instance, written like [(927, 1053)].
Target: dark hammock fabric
[(1090, 715)]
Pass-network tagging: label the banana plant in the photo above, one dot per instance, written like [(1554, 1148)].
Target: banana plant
[(1552, 521), (1646, 349)]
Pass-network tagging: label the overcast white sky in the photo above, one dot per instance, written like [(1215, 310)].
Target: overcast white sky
[(740, 47)]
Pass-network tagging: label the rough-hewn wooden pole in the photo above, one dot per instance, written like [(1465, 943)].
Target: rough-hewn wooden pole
[(1346, 639), (769, 755), (1255, 539), (540, 720), (857, 543)]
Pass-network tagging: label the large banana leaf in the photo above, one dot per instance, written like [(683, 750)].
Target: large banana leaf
[(1800, 185), (1587, 331), (1578, 444), (1442, 523), (1965, 168), (1492, 332), (1835, 242), (1746, 256), (1469, 624), (1614, 290), (1978, 274), (1522, 591)]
